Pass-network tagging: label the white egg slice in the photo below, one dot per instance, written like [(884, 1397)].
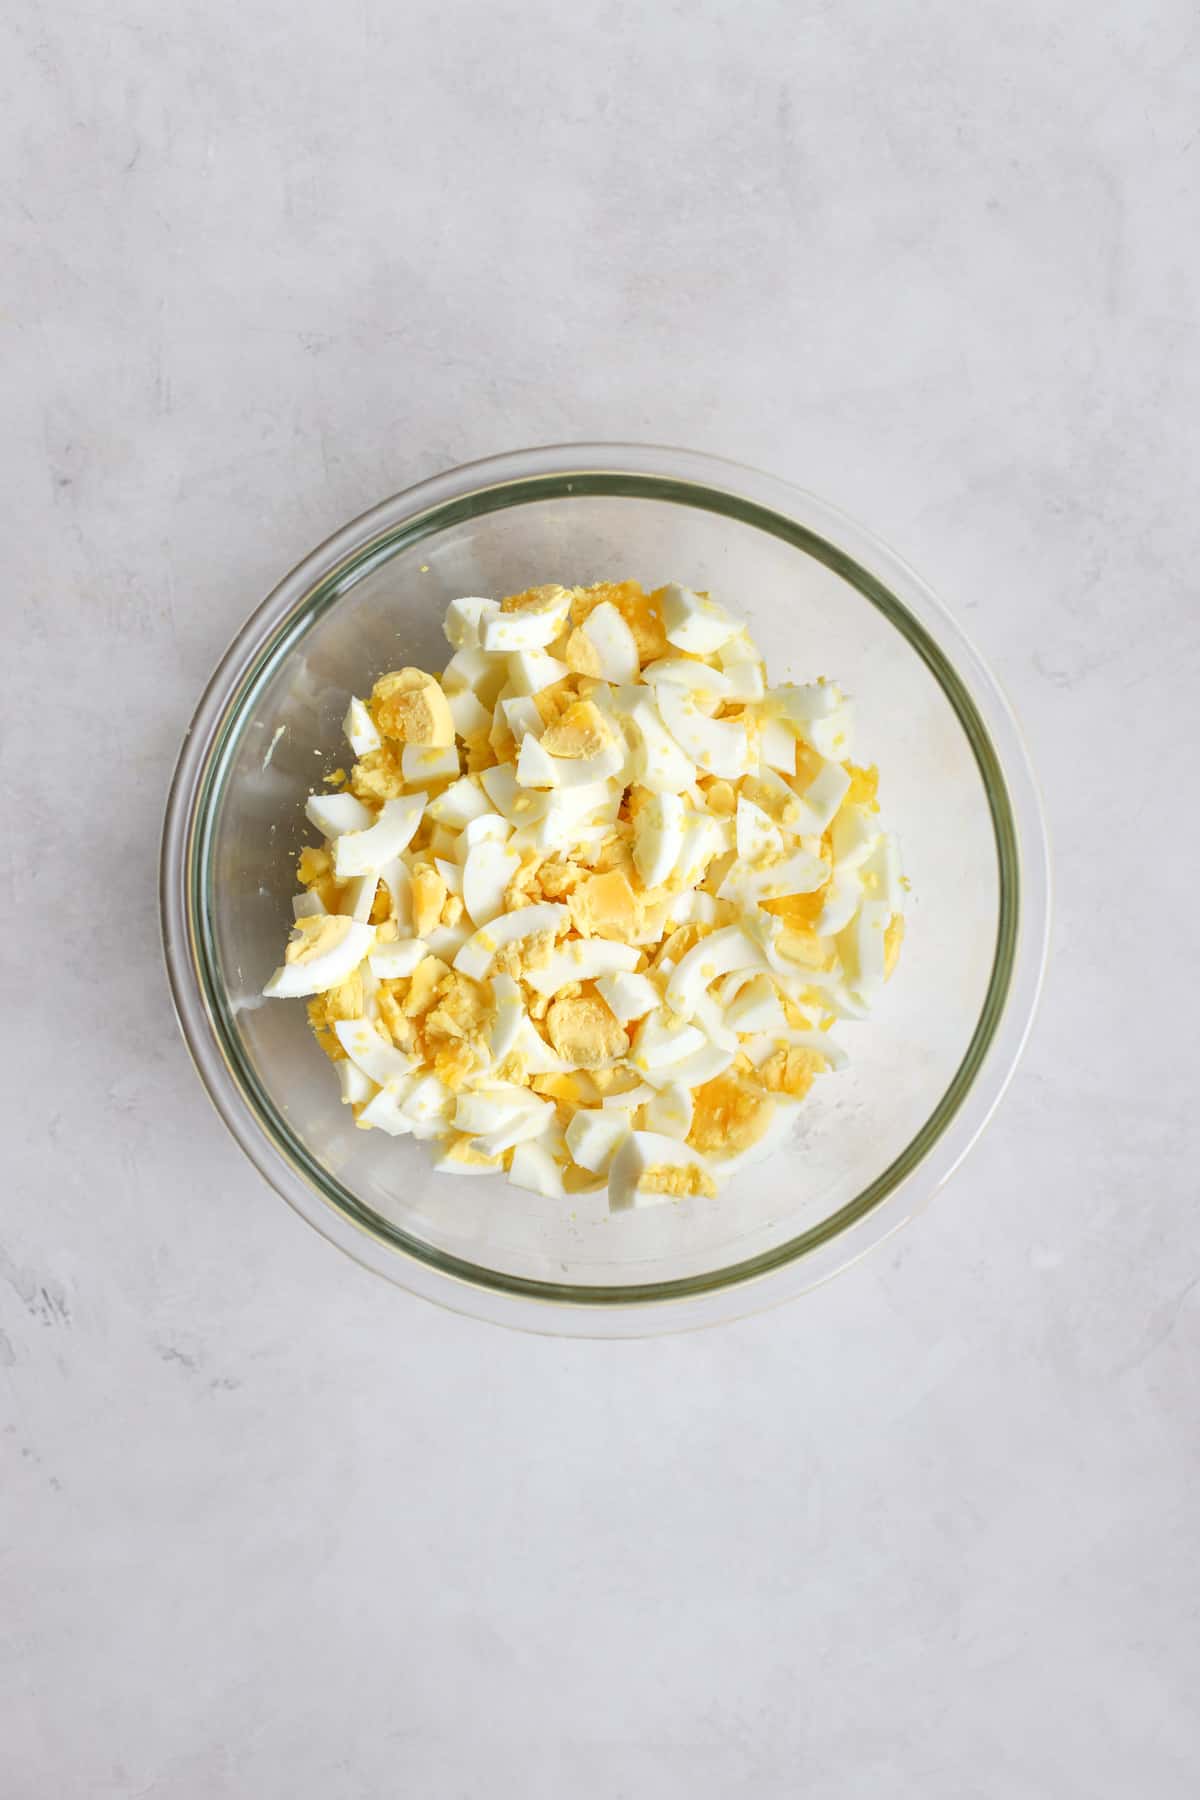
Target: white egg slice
[(511, 1123), (710, 1017), (747, 682), (670, 1112), (450, 873), (629, 1100), (428, 1105), (363, 852), (489, 827), (385, 1110), (697, 678), (642, 1151), (371, 1052), (833, 735), (356, 1088), (521, 716), (534, 1169), (759, 1048), (802, 702), (332, 814), (882, 874), (659, 1045), (468, 713), (475, 957), (613, 643), (855, 833), (593, 1138), (464, 620), (475, 670), (391, 962), (492, 1105), (777, 745), (758, 837), (428, 762), (702, 841), (658, 837), (506, 1020), (307, 905), (582, 960), (716, 746), (717, 954), (514, 802), (756, 1008), (862, 948), (628, 996), (535, 1053), (701, 1066), (799, 873), (486, 874), (657, 761), (842, 898), (529, 628), (783, 1119), (536, 768), (358, 896), (820, 800), (344, 943), (459, 804), (360, 729), (694, 622), (529, 671)]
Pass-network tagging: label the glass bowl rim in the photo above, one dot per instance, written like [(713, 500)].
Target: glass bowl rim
[(808, 524)]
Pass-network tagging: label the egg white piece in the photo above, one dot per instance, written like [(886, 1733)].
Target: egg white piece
[(745, 676), (658, 837), (356, 1088), (777, 745), (593, 1138), (307, 905), (361, 732), (842, 898), (486, 874), (365, 852), (534, 1168), (799, 873), (862, 947), (582, 960), (535, 1053), (394, 961), (428, 1105), (628, 996), (759, 839), (717, 954), (756, 1008), (612, 642), (659, 1044), (347, 945), (881, 871), (530, 628), (670, 1112), (529, 671), (333, 814), (701, 1066), (370, 1051), (697, 678), (427, 762), (484, 675), (476, 956), (459, 804), (469, 714), (717, 746), (521, 716), (385, 1110), (657, 762), (642, 1151), (506, 1020), (694, 622), (489, 827), (465, 618), (537, 768), (629, 1100)]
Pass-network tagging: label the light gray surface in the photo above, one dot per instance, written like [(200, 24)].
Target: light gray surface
[(270, 1527)]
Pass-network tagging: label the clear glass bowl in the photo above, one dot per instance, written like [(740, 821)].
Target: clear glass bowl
[(822, 596)]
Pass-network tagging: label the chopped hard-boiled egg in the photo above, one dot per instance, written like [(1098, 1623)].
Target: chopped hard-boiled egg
[(593, 897)]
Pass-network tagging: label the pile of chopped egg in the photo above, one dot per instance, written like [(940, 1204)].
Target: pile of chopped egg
[(591, 900)]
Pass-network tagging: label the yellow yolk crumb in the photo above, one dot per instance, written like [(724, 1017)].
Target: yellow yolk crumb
[(536, 599), (462, 1150), (791, 1070), (893, 937), (582, 730), (642, 613), (605, 906), (864, 786), (378, 775), (682, 1181), (729, 1115), (584, 1032), (428, 899), (409, 705)]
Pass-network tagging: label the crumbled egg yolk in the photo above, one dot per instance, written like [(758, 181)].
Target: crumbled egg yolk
[(533, 1031)]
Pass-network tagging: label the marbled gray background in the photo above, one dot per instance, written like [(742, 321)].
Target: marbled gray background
[(272, 1528)]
